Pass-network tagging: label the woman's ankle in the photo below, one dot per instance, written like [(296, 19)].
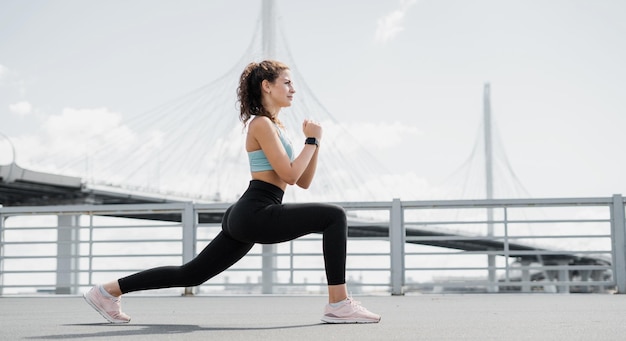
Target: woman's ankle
[(337, 293)]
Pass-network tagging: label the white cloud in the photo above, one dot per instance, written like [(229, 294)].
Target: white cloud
[(70, 135), (391, 24), (82, 123), (389, 134), (380, 135), (22, 108), (405, 186)]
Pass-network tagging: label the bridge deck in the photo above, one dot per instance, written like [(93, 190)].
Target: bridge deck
[(421, 317)]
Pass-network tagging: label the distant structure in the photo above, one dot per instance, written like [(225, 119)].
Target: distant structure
[(491, 260), (486, 173)]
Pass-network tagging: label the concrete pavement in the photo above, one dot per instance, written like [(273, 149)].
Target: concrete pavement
[(411, 317)]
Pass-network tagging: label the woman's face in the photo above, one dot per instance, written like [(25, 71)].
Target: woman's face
[(281, 90)]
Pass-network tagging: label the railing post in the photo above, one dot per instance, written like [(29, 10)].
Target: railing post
[(618, 229), (397, 237), (525, 276), (188, 219), (563, 276), (67, 254), (268, 275), (2, 218)]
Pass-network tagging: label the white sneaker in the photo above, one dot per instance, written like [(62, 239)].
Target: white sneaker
[(349, 312), (109, 308)]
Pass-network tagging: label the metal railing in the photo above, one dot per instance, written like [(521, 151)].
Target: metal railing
[(518, 245)]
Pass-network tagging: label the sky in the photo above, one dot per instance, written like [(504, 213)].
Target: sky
[(405, 77)]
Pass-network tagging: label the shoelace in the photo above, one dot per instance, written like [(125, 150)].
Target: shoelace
[(356, 304)]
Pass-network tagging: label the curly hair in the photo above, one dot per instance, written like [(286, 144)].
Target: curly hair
[(249, 93)]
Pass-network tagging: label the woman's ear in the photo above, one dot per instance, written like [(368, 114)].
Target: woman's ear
[(265, 86)]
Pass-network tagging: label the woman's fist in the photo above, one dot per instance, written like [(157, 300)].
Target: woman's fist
[(312, 129)]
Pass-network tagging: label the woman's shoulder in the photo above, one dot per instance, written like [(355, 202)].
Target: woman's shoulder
[(260, 123)]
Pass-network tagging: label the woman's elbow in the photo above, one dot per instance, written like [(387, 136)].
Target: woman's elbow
[(290, 180), (303, 184)]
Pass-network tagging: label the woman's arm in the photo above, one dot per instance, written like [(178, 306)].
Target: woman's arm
[(264, 132), (307, 177)]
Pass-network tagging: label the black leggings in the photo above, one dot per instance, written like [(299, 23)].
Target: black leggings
[(257, 217)]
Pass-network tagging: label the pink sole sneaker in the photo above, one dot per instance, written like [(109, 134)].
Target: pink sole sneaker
[(109, 308), (349, 312)]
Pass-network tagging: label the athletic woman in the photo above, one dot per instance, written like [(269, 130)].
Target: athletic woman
[(259, 216)]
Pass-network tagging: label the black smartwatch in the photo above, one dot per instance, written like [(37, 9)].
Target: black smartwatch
[(312, 140)]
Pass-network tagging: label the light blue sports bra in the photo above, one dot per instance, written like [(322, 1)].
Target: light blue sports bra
[(258, 160)]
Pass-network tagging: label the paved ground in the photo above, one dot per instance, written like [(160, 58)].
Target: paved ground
[(420, 317)]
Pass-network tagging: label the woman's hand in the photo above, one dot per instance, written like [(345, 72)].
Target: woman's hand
[(312, 129)]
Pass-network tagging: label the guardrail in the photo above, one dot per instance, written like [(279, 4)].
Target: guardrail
[(519, 245)]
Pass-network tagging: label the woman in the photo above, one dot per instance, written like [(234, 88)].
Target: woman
[(259, 215)]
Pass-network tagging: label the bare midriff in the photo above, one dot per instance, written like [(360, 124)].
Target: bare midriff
[(271, 177)]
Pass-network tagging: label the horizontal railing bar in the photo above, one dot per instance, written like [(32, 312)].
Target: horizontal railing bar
[(214, 284), (500, 238), (367, 206), (561, 267), (205, 208), (169, 226), (93, 256), (85, 256), (517, 252), (102, 209), (95, 242), (495, 203), (570, 236), (256, 284), (501, 222), (455, 283), (514, 253), (514, 269), (233, 269), (494, 252), (385, 205), (548, 252), (87, 227), (138, 241)]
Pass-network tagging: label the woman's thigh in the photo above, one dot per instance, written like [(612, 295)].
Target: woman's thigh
[(283, 222)]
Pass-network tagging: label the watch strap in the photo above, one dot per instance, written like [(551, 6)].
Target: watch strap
[(312, 140)]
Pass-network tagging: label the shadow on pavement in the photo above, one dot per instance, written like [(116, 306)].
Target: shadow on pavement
[(118, 330)]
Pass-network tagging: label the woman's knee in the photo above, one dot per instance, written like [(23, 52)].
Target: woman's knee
[(337, 215), (190, 275), (338, 211)]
